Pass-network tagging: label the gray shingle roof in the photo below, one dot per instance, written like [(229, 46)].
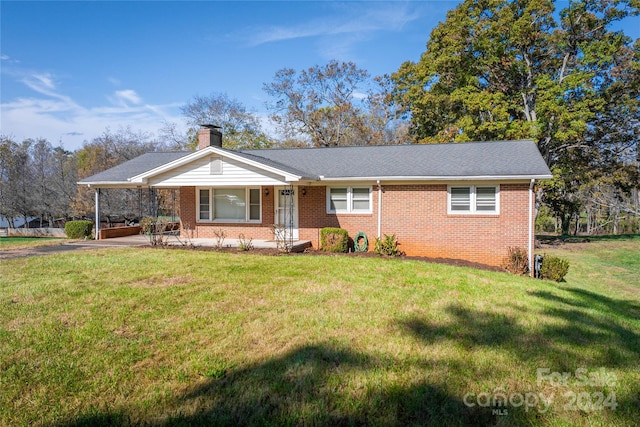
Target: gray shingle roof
[(446, 161), (473, 159), (285, 167), (133, 167)]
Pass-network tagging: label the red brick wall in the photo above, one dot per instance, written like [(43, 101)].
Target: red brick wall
[(188, 207), (417, 214), (313, 216), (110, 233), (232, 230)]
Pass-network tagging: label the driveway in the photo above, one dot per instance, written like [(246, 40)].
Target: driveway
[(74, 246), (138, 240)]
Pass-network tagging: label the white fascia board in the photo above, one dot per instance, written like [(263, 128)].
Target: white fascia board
[(108, 184), (439, 178), (143, 177)]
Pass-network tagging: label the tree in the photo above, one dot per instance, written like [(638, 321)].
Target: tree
[(240, 128), (43, 196), (507, 70), (17, 195), (327, 106), (64, 176), (36, 179), (104, 152)]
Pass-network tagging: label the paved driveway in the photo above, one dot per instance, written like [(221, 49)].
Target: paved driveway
[(138, 240), (74, 246)]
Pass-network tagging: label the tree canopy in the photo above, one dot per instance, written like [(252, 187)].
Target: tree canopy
[(241, 128), (331, 105), (498, 70)]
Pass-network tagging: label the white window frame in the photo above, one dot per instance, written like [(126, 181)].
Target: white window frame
[(350, 199), (247, 195), (472, 199)]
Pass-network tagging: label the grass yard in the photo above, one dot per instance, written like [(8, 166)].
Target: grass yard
[(13, 243), (141, 336)]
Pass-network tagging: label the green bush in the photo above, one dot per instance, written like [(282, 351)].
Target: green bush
[(554, 268), (334, 239), (387, 246), (78, 229), (516, 261)]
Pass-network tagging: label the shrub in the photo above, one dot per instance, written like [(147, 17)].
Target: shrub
[(387, 246), (244, 244), (220, 236), (516, 261), (78, 229), (554, 268), (154, 228), (147, 225), (334, 239), (280, 236)]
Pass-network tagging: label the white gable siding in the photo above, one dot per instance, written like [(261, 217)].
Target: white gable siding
[(198, 173)]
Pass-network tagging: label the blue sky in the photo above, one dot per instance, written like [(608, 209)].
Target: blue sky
[(72, 69)]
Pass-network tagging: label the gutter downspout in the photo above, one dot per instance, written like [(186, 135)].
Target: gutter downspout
[(530, 247), (379, 208)]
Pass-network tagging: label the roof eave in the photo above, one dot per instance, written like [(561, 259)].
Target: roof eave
[(109, 184), (439, 178)]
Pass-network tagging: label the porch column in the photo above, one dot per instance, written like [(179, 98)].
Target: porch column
[(97, 197), (379, 208)]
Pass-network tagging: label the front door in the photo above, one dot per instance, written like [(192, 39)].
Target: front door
[(287, 211)]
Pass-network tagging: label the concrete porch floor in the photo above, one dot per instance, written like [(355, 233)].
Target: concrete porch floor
[(141, 240)]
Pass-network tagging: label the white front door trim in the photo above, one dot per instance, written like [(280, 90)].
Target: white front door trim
[(282, 210)]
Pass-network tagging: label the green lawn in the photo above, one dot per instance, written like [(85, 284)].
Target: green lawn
[(142, 336)]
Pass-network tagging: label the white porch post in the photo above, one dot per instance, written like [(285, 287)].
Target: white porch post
[(379, 209), (97, 197)]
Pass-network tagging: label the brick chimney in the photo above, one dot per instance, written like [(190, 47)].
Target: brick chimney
[(209, 135)]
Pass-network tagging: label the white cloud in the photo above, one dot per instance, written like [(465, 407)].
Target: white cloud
[(55, 121), (124, 97), (60, 119), (351, 20), (42, 83), (8, 59)]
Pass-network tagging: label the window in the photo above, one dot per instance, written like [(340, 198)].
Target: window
[(204, 205), (349, 200), (229, 204), (338, 200), (486, 199), (460, 199), (254, 204), (473, 200)]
